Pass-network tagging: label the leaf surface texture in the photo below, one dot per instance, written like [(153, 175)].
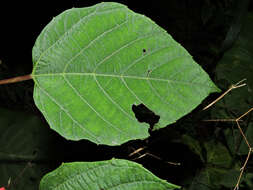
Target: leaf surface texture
[(92, 64)]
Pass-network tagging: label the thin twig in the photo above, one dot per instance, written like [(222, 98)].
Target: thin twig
[(242, 133), (156, 157), (16, 79), (246, 113), (249, 146), (233, 86), (151, 155), (237, 120), (136, 151), (242, 170)]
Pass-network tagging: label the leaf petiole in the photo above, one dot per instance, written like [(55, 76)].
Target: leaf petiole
[(16, 79)]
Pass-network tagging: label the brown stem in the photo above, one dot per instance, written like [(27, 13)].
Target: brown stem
[(233, 86), (16, 79), (245, 139)]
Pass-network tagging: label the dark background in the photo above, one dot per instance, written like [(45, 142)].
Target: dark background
[(22, 22), (201, 26)]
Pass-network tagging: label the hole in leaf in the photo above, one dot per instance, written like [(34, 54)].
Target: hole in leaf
[(143, 114)]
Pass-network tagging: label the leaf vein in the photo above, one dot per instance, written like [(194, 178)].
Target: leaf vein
[(124, 82), (63, 35), (62, 108), (142, 57), (120, 76), (162, 99), (87, 103), (183, 97), (93, 41), (128, 44), (173, 59), (115, 103)]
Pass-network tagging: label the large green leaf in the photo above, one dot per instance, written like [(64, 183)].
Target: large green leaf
[(112, 174), (91, 65)]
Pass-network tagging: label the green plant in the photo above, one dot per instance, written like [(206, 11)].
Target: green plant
[(91, 67)]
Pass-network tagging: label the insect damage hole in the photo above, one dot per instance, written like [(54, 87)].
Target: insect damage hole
[(143, 114)]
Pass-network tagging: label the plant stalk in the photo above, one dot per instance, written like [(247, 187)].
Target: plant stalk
[(16, 79)]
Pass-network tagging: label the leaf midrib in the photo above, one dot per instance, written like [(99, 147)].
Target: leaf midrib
[(34, 76)]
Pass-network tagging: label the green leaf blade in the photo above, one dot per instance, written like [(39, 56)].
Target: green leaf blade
[(89, 71), (112, 174)]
